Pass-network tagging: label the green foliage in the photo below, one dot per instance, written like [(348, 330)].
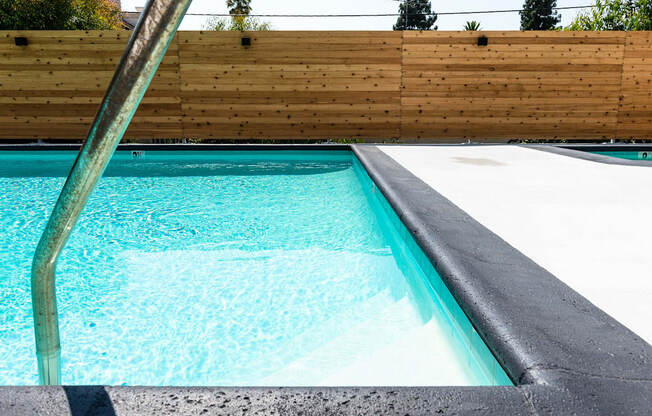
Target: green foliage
[(419, 16), (238, 9), (245, 24), (539, 15), (239, 6), (34, 14), (615, 15), (472, 25), (95, 15), (59, 14)]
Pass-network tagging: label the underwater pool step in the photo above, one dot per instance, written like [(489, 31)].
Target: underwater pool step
[(307, 343), (370, 352)]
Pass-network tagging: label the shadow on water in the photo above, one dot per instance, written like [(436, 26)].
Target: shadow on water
[(30, 169), (89, 400), (58, 164)]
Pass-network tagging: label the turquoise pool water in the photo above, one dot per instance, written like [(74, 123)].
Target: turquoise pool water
[(627, 154), (231, 268)]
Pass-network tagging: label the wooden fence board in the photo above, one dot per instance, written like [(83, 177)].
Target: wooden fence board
[(635, 117), (52, 87), (413, 86), (300, 84), (522, 85)]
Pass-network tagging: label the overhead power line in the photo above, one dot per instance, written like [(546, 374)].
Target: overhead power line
[(379, 14)]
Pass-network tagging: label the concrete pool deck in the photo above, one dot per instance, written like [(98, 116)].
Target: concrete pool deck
[(587, 223)]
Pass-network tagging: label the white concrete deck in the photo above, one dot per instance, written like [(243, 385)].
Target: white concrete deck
[(588, 223)]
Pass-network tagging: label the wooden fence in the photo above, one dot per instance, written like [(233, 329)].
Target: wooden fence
[(410, 86)]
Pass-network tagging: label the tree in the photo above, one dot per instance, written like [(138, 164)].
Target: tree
[(247, 24), (239, 6), (239, 10), (415, 15), (239, 20), (615, 15), (96, 14), (472, 25), (539, 15), (34, 14), (59, 14)]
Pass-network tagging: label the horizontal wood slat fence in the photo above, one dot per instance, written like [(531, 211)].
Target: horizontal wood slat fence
[(409, 86)]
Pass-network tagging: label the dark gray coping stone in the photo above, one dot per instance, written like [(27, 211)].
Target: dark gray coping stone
[(109, 401), (540, 330), (564, 354), (583, 152)]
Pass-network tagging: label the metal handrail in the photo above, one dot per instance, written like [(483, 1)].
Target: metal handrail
[(145, 50)]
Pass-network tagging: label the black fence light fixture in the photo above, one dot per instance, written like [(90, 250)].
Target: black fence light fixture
[(20, 41), (483, 41), (245, 41)]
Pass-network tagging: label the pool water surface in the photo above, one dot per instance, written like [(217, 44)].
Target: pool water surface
[(228, 268), (628, 154)]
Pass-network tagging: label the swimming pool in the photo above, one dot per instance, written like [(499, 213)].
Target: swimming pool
[(231, 268), (628, 154)]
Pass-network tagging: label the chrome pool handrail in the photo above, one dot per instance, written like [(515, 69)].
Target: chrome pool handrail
[(147, 46)]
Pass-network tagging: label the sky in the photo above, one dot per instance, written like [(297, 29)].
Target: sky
[(501, 21)]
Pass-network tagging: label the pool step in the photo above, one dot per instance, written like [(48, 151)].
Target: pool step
[(377, 351)]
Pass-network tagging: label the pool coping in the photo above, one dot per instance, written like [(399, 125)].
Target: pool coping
[(564, 354), (583, 152), (560, 339)]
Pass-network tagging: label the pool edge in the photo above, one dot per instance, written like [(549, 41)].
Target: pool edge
[(543, 387), (560, 339), (583, 152)]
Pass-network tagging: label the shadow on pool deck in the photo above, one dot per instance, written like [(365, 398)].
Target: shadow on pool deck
[(89, 400)]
